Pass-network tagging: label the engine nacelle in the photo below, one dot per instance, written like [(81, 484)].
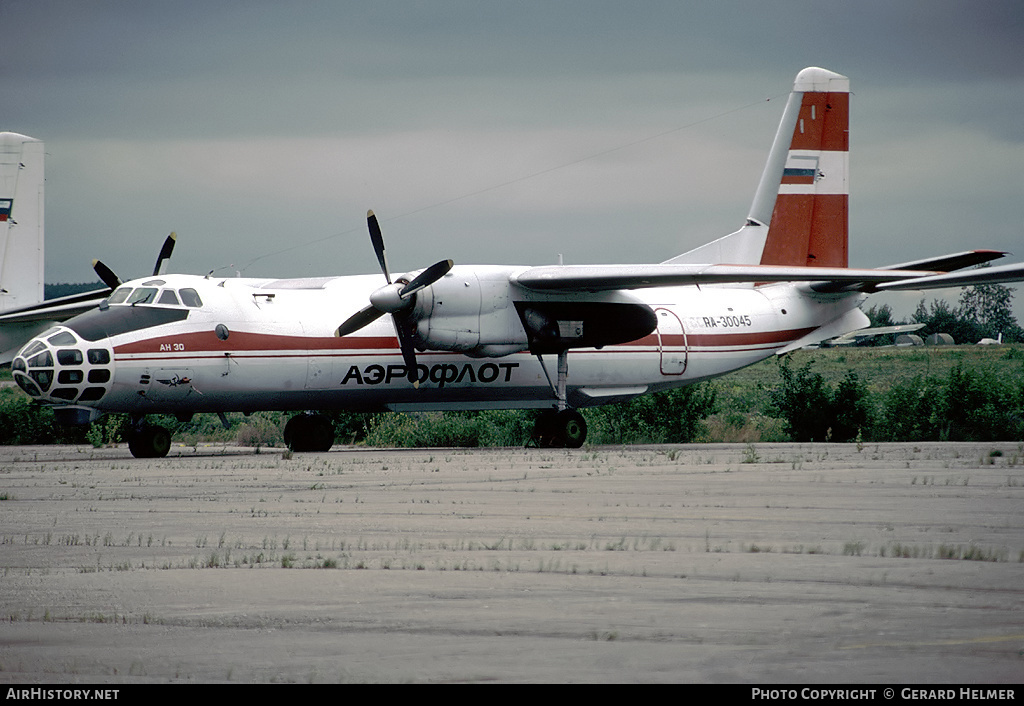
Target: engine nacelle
[(470, 310), (478, 312)]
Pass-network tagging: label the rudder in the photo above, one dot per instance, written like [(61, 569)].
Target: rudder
[(809, 222)]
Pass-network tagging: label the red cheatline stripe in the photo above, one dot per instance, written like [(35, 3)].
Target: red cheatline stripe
[(207, 342), (199, 345)]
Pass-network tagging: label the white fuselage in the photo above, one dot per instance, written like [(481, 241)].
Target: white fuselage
[(262, 344)]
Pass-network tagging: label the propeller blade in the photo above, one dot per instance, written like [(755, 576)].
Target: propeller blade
[(378, 244), (426, 278), (361, 318), (106, 275), (165, 252), (407, 346), (394, 300)]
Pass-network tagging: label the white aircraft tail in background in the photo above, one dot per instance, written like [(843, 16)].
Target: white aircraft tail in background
[(21, 221), (21, 236)]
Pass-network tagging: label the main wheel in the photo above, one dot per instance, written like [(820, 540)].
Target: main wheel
[(545, 432), (320, 433), (572, 428), (149, 442), (309, 432), (565, 429)]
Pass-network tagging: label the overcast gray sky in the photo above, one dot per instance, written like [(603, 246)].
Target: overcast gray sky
[(497, 132)]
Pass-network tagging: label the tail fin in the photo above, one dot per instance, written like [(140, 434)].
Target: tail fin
[(799, 213), (808, 224), (21, 221)]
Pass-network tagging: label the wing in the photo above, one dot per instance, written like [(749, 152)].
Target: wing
[(932, 273), (55, 309), (597, 278), (19, 326)]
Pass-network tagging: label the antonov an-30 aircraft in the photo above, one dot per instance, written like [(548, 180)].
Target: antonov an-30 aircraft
[(480, 337)]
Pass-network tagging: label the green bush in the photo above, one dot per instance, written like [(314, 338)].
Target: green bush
[(979, 406), (813, 411), (674, 416), (463, 429), (23, 422), (260, 429)]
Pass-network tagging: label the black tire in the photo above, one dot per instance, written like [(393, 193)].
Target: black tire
[(293, 427), (320, 433), (309, 432), (565, 429), (149, 442), (572, 428), (545, 430), (159, 442)]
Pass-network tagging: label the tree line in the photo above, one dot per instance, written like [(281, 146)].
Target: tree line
[(982, 311)]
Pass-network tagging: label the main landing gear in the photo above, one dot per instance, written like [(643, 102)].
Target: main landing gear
[(148, 440), (309, 432), (561, 427)]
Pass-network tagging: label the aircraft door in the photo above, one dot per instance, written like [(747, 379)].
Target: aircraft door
[(672, 345)]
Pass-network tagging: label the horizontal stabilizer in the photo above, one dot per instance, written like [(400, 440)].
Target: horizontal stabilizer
[(949, 263), (866, 333), (984, 275)]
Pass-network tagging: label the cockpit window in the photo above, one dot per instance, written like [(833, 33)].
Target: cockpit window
[(142, 295), (33, 349), (119, 295), (168, 297), (190, 297), (62, 339)]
